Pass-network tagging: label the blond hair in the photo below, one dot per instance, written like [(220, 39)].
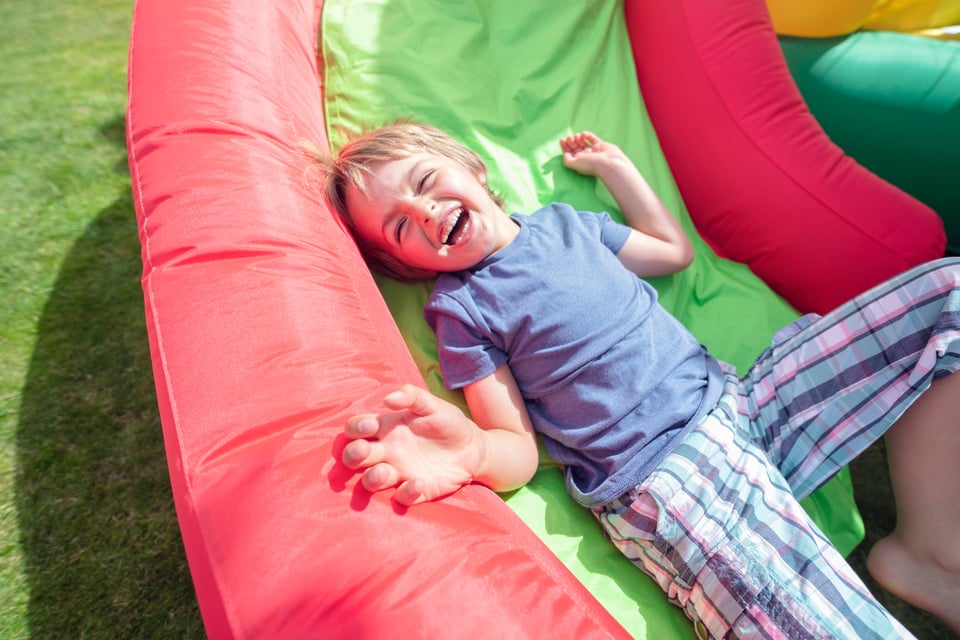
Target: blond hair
[(357, 160)]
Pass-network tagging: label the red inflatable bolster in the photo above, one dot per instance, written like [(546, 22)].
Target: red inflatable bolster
[(762, 182), (266, 332)]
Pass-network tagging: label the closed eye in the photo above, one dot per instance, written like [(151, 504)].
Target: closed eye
[(422, 183), (398, 229)]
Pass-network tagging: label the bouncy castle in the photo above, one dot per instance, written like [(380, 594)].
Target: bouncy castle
[(882, 77), (267, 330)]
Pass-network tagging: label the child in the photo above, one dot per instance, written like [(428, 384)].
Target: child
[(693, 472)]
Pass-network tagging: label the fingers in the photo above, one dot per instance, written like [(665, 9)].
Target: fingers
[(578, 142), (412, 398), (570, 145), (384, 476), (363, 450), (362, 426), (362, 454), (356, 452), (365, 430), (410, 493), (371, 450), (379, 477)]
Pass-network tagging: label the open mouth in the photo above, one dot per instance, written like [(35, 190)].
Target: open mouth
[(459, 222)]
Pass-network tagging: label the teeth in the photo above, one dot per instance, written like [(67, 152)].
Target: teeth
[(455, 227)]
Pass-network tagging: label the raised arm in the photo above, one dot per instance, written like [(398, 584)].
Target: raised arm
[(658, 246), (427, 448)]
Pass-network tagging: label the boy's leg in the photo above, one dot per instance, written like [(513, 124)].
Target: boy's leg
[(720, 531), (819, 398), (920, 561)]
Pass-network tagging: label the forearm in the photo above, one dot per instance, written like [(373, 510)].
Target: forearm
[(506, 441), (658, 246), (642, 208)]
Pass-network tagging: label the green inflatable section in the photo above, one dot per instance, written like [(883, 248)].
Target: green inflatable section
[(509, 79), (892, 102)]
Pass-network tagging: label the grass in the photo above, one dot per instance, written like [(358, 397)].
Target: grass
[(89, 546)]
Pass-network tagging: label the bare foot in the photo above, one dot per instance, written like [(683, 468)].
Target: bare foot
[(923, 582)]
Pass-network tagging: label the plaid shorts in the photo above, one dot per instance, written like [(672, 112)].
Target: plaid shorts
[(717, 523)]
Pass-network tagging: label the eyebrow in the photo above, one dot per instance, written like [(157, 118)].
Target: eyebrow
[(393, 213)]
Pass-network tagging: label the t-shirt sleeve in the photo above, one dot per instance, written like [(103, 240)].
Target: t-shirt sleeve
[(613, 235), (465, 352)]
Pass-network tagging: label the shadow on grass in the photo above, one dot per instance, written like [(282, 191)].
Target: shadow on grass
[(103, 553)]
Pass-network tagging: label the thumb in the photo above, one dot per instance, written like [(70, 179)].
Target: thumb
[(415, 399)]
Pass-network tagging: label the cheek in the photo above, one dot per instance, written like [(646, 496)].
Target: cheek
[(365, 224), (362, 211)]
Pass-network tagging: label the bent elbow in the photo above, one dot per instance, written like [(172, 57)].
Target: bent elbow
[(677, 260), (685, 258)]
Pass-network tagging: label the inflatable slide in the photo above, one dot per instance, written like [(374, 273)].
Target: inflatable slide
[(267, 331), (882, 77)]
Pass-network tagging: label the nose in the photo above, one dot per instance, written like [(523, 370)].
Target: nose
[(424, 209)]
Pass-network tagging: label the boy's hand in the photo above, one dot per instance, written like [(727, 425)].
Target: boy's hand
[(426, 447), (587, 153), (658, 245)]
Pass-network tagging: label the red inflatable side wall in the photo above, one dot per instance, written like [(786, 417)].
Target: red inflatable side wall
[(762, 182), (266, 332)]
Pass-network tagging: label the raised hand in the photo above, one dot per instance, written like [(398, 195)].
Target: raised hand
[(587, 153), (425, 447), (658, 246)]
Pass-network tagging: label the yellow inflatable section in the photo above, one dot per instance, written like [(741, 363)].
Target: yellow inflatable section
[(829, 18)]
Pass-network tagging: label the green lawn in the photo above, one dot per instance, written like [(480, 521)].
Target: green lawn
[(89, 546)]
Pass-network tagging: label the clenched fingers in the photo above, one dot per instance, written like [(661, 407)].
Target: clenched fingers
[(360, 452), (362, 426), (379, 477)]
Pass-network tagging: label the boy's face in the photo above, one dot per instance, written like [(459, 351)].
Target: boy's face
[(429, 212)]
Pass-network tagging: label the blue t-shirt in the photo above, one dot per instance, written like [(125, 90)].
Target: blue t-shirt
[(610, 379)]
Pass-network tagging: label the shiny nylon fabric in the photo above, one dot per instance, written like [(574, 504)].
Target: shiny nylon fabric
[(763, 183), (892, 101), (266, 332), (510, 93)]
